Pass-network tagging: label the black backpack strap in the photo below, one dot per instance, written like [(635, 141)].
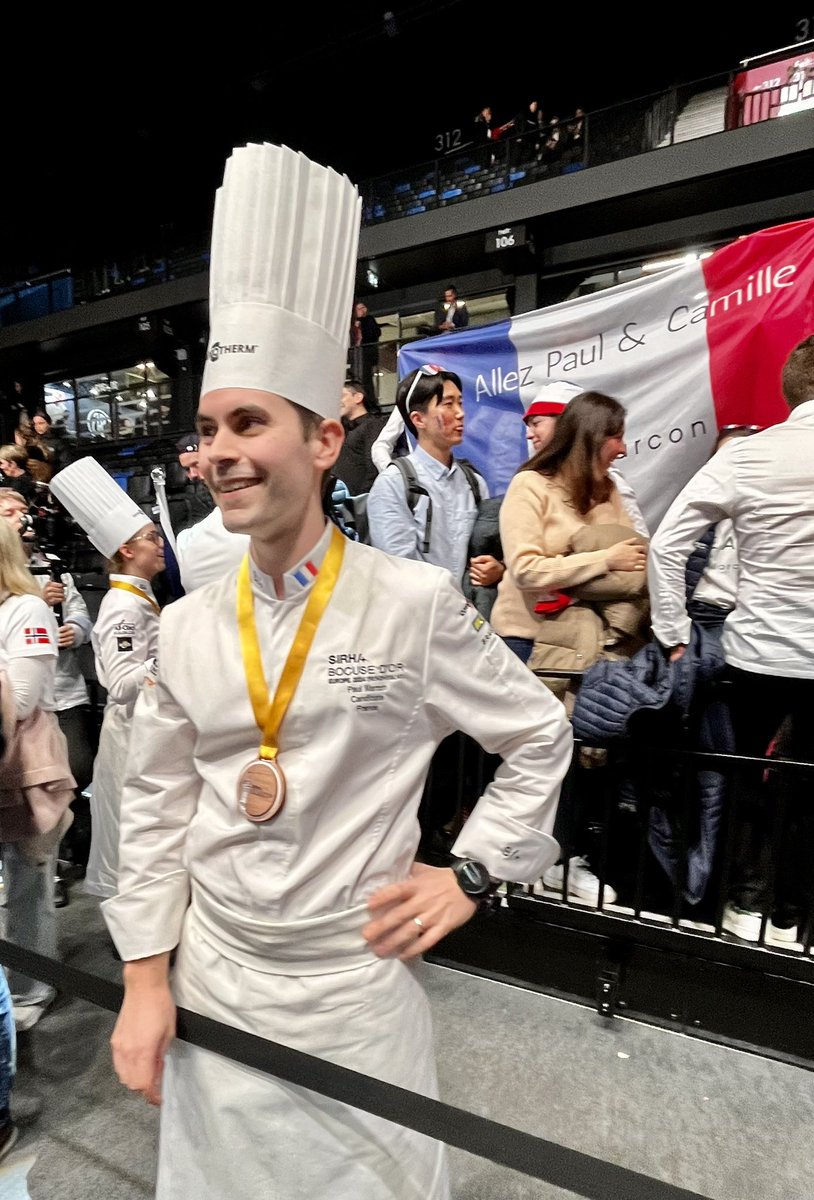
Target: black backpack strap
[(413, 489), (471, 477)]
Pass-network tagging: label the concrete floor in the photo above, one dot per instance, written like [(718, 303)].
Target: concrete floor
[(725, 1124)]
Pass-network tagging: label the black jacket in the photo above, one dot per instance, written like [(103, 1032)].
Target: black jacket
[(355, 466)]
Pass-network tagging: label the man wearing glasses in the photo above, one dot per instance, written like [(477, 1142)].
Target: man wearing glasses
[(437, 527), (764, 484)]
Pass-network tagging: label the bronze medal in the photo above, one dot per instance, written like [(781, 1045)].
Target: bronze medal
[(261, 790)]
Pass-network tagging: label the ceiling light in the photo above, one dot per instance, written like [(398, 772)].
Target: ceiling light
[(664, 264)]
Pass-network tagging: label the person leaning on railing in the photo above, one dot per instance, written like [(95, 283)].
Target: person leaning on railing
[(763, 484)]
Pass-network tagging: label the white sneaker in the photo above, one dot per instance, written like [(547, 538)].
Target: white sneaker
[(743, 923), (582, 883), (781, 935)]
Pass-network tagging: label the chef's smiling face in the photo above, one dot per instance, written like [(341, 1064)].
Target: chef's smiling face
[(263, 466)]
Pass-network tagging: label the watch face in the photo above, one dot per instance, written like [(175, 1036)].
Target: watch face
[(473, 877)]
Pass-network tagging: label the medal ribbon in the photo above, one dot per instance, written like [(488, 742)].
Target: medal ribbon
[(269, 715), (129, 587)]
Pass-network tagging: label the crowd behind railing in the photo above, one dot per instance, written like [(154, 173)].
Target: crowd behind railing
[(659, 813)]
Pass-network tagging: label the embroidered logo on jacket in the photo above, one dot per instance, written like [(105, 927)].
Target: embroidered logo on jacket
[(124, 643), (37, 635)]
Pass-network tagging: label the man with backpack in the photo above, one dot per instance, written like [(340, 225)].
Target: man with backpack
[(424, 505)]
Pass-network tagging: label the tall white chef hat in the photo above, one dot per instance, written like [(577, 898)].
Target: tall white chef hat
[(281, 279), (96, 502), (552, 399)]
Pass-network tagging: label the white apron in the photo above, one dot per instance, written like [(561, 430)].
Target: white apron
[(106, 791), (314, 985)]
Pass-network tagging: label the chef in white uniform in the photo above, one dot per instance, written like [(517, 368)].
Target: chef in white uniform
[(124, 639), (269, 815)]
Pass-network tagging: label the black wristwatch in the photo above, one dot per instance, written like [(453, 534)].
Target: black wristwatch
[(474, 879)]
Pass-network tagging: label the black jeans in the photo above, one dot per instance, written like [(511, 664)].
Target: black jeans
[(763, 706)]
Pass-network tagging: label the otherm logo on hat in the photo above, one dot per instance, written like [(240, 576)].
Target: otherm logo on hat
[(216, 350)]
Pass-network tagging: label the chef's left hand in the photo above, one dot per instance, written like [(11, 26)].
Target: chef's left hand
[(410, 917)]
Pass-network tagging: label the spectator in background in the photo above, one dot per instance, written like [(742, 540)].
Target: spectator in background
[(528, 126), (575, 133), (553, 142), (564, 527), (197, 494), (483, 127), (8, 1058), (764, 485), (13, 473), (36, 462), (437, 529), (540, 419), (35, 782), (124, 639), (47, 440), (362, 423), (365, 332), (451, 312), (70, 689)]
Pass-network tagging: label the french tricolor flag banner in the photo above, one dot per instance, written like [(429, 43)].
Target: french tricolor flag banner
[(685, 351)]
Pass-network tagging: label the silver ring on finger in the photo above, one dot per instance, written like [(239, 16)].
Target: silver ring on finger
[(417, 921)]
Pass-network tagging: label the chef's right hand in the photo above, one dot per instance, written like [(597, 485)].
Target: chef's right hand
[(629, 555), (143, 1032)]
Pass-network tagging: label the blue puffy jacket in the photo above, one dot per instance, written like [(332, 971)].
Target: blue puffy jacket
[(649, 700)]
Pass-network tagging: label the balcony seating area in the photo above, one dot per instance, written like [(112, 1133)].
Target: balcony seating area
[(454, 180)]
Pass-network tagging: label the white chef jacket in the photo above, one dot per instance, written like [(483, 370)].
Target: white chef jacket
[(207, 551), (399, 660), (125, 644), (125, 641), (765, 483)]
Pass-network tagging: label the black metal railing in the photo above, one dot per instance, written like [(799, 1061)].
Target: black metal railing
[(609, 797)]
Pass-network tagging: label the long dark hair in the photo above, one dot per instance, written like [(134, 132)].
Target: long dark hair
[(580, 434)]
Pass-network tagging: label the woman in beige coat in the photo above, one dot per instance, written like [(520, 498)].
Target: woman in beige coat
[(575, 585)]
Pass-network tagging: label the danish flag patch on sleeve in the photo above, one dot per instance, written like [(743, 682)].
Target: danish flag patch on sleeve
[(37, 635)]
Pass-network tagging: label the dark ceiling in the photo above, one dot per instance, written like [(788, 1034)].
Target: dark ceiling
[(112, 134)]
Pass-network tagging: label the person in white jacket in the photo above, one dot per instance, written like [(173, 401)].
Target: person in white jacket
[(124, 640), (763, 484), (269, 817)]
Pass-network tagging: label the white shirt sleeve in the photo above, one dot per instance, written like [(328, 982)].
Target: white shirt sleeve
[(75, 611), (382, 449), (707, 498), (630, 502), (29, 678), (159, 798)]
